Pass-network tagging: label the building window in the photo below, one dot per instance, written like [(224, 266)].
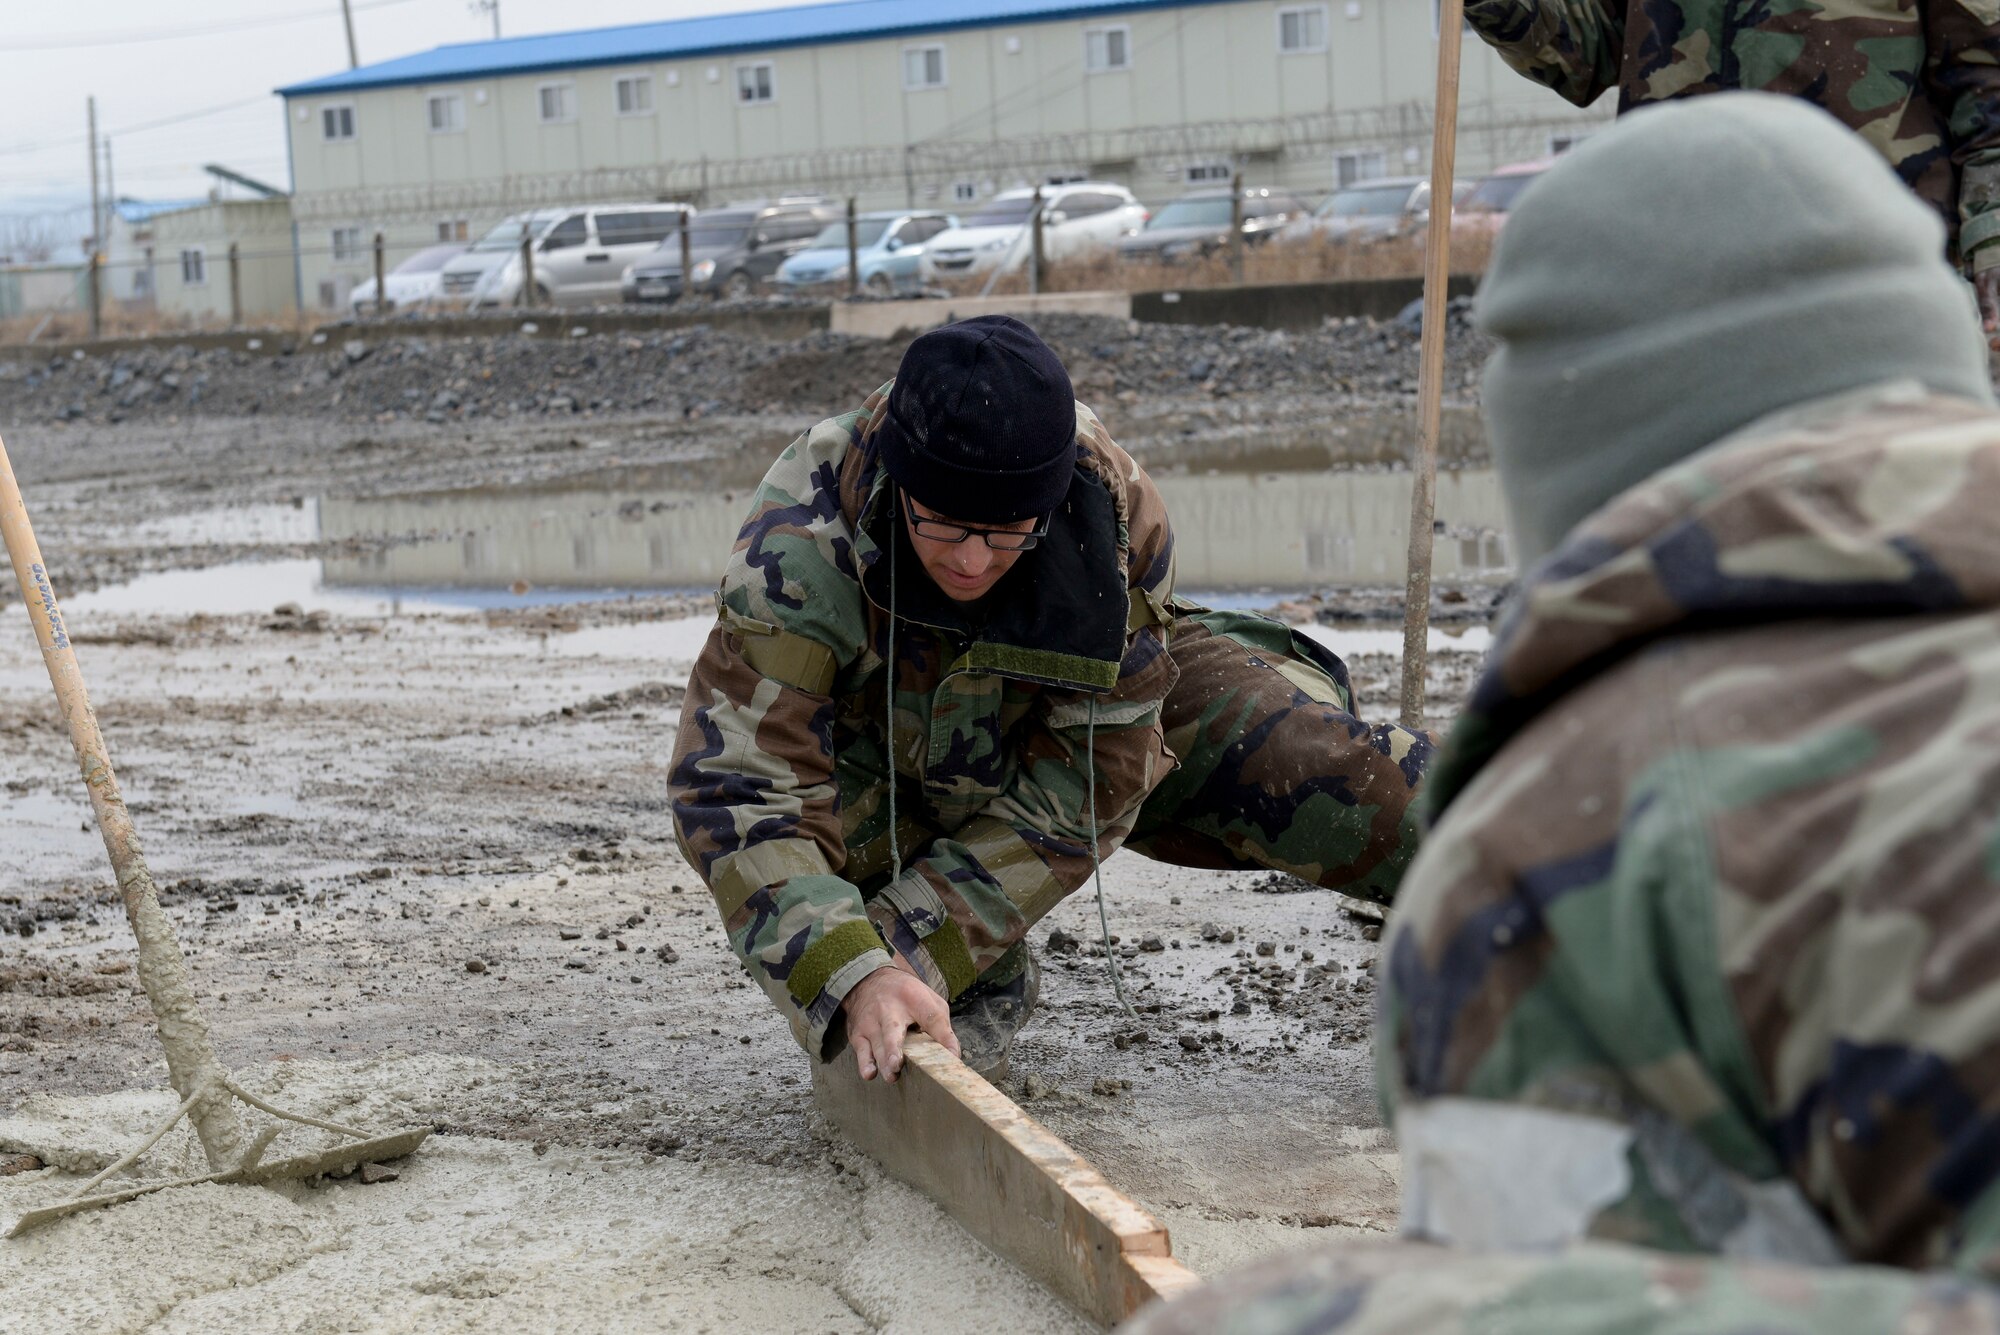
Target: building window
[(329, 293), (1302, 30), (558, 101), (337, 122), (346, 245), (635, 95), (454, 229), (1107, 49), (756, 83), (447, 112), (194, 267), (1202, 172), (1363, 165), (923, 67), (964, 192)]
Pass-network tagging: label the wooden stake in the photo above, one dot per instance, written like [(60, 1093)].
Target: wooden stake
[(1430, 366), (1009, 1180)]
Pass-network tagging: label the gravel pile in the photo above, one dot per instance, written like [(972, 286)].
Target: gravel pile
[(696, 372)]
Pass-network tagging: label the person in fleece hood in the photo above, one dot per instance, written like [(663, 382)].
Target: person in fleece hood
[(1690, 1005)]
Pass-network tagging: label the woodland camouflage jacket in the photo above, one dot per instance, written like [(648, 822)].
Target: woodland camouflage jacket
[(777, 781), (1720, 839), (1918, 79)]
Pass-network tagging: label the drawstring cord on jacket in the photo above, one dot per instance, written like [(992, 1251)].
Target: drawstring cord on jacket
[(889, 713), (1090, 773), (1097, 867)]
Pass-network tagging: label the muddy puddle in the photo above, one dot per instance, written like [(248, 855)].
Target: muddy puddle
[(1233, 531), (1250, 538)]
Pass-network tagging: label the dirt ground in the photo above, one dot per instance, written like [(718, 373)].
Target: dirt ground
[(422, 863)]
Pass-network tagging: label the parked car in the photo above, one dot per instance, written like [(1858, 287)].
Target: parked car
[(1374, 210), (887, 246), (1083, 218), (580, 251), (417, 281), (731, 248), (1197, 224), (1485, 210)]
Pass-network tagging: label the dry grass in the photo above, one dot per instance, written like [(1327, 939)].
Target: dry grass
[(118, 322), (1314, 261)]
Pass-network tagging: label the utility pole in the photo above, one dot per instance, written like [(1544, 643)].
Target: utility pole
[(347, 17), (96, 205), (96, 229), (491, 7), (110, 207)]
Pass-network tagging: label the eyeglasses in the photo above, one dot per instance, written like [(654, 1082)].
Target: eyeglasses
[(999, 539)]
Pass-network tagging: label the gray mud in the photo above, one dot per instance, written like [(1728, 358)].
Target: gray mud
[(440, 838)]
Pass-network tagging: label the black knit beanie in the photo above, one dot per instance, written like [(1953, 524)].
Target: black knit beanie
[(981, 423)]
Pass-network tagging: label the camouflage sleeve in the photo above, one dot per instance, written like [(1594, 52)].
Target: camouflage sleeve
[(751, 786), (975, 892), (1962, 63), (1573, 46)]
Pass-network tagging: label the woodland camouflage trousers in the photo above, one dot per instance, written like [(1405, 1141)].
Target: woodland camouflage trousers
[(1274, 770)]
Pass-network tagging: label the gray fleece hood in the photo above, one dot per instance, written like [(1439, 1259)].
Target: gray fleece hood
[(1697, 266)]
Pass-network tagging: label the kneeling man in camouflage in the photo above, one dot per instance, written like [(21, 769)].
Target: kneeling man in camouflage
[(949, 675)]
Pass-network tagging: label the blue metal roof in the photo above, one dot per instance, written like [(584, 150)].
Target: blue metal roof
[(142, 210), (715, 35)]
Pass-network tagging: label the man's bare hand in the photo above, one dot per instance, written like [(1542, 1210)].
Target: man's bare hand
[(885, 1006), (1987, 285)]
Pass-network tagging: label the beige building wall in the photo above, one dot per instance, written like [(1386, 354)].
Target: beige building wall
[(1204, 84), (261, 230)]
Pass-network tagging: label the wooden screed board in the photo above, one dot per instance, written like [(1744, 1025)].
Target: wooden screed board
[(1008, 1179)]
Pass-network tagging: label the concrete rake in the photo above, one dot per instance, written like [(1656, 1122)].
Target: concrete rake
[(209, 1097)]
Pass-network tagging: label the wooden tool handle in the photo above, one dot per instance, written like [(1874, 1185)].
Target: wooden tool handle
[(162, 967), (1430, 365)]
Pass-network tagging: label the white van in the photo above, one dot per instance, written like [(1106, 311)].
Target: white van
[(580, 254), (1079, 220)]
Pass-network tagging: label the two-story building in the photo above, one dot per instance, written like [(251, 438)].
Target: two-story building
[(897, 102)]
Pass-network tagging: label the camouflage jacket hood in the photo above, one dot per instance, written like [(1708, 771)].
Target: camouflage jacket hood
[(1018, 732), (1873, 504)]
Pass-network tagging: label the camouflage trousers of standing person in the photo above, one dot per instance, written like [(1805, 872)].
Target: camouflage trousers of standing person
[(1411, 1288), (1274, 771)]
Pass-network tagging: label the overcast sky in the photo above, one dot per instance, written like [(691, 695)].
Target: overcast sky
[(147, 62)]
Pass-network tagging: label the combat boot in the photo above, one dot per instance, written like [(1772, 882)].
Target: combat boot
[(988, 1014)]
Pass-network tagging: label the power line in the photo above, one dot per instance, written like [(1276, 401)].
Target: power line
[(77, 41), (37, 147)]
